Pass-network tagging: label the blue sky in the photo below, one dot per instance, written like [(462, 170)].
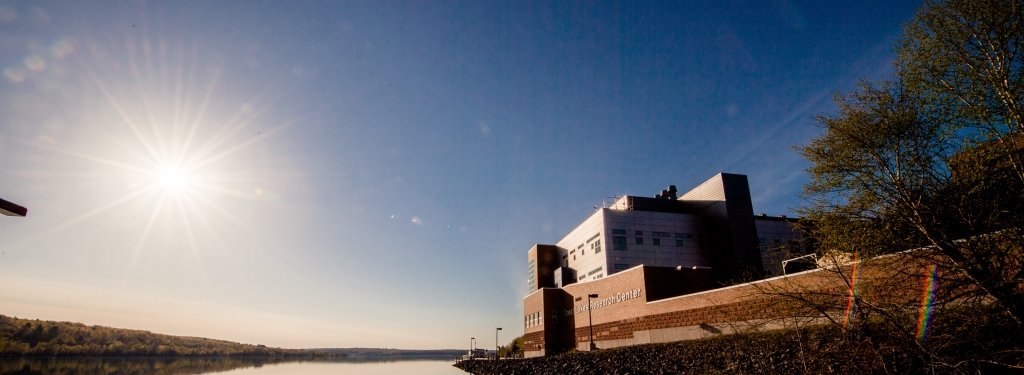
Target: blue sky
[(335, 174)]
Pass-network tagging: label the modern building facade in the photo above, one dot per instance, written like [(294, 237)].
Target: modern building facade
[(654, 248)]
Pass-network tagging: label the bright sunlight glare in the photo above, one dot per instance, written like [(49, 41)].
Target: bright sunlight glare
[(172, 178)]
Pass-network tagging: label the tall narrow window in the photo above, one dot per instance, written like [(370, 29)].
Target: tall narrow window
[(618, 243)]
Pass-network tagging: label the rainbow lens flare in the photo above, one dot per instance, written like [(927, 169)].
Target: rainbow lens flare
[(927, 301), (851, 301)]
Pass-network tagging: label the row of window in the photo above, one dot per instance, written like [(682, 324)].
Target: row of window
[(763, 243), (592, 272), (619, 242), (654, 233), (594, 245), (635, 233), (534, 319)]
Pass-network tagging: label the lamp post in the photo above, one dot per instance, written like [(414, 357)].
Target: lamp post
[(496, 343), (590, 319), (12, 209)]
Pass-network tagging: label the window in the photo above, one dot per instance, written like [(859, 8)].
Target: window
[(531, 276), (534, 319), (621, 266), (618, 243), (639, 233), (639, 240), (679, 243), (660, 234), (618, 231), (656, 242)]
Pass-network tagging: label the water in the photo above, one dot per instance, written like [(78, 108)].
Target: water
[(234, 366), (425, 367)]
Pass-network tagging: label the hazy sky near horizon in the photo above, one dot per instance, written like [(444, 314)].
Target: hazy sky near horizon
[(372, 173)]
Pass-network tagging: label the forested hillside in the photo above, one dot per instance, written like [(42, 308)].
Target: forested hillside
[(36, 337), (383, 353)]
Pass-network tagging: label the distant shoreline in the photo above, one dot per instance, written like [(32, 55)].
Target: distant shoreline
[(173, 365), (28, 338)]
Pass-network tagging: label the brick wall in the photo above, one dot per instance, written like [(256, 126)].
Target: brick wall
[(809, 297)]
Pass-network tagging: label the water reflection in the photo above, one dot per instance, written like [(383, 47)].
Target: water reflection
[(259, 365), (128, 366), (377, 367)]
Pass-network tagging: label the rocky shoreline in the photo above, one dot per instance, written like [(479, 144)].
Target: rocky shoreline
[(821, 350), (740, 354)]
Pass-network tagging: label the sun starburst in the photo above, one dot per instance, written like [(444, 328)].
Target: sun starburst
[(162, 153), (173, 178)]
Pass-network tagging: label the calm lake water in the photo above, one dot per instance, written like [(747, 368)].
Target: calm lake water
[(234, 366)]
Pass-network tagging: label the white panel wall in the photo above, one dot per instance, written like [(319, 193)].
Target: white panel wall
[(581, 252), (678, 235), (668, 240)]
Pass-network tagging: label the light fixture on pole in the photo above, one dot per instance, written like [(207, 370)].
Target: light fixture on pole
[(496, 343), (590, 318), (11, 209)]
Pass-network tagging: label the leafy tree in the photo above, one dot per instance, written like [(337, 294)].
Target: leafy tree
[(965, 56), (513, 349), (934, 158)]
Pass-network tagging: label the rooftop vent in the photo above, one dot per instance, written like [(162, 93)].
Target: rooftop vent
[(669, 193)]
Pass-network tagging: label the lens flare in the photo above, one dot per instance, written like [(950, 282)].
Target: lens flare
[(927, 302), (854, 294), (172, 178), (165, 145)]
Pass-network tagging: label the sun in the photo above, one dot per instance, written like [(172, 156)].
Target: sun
[(167, 157), (173, 178)]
